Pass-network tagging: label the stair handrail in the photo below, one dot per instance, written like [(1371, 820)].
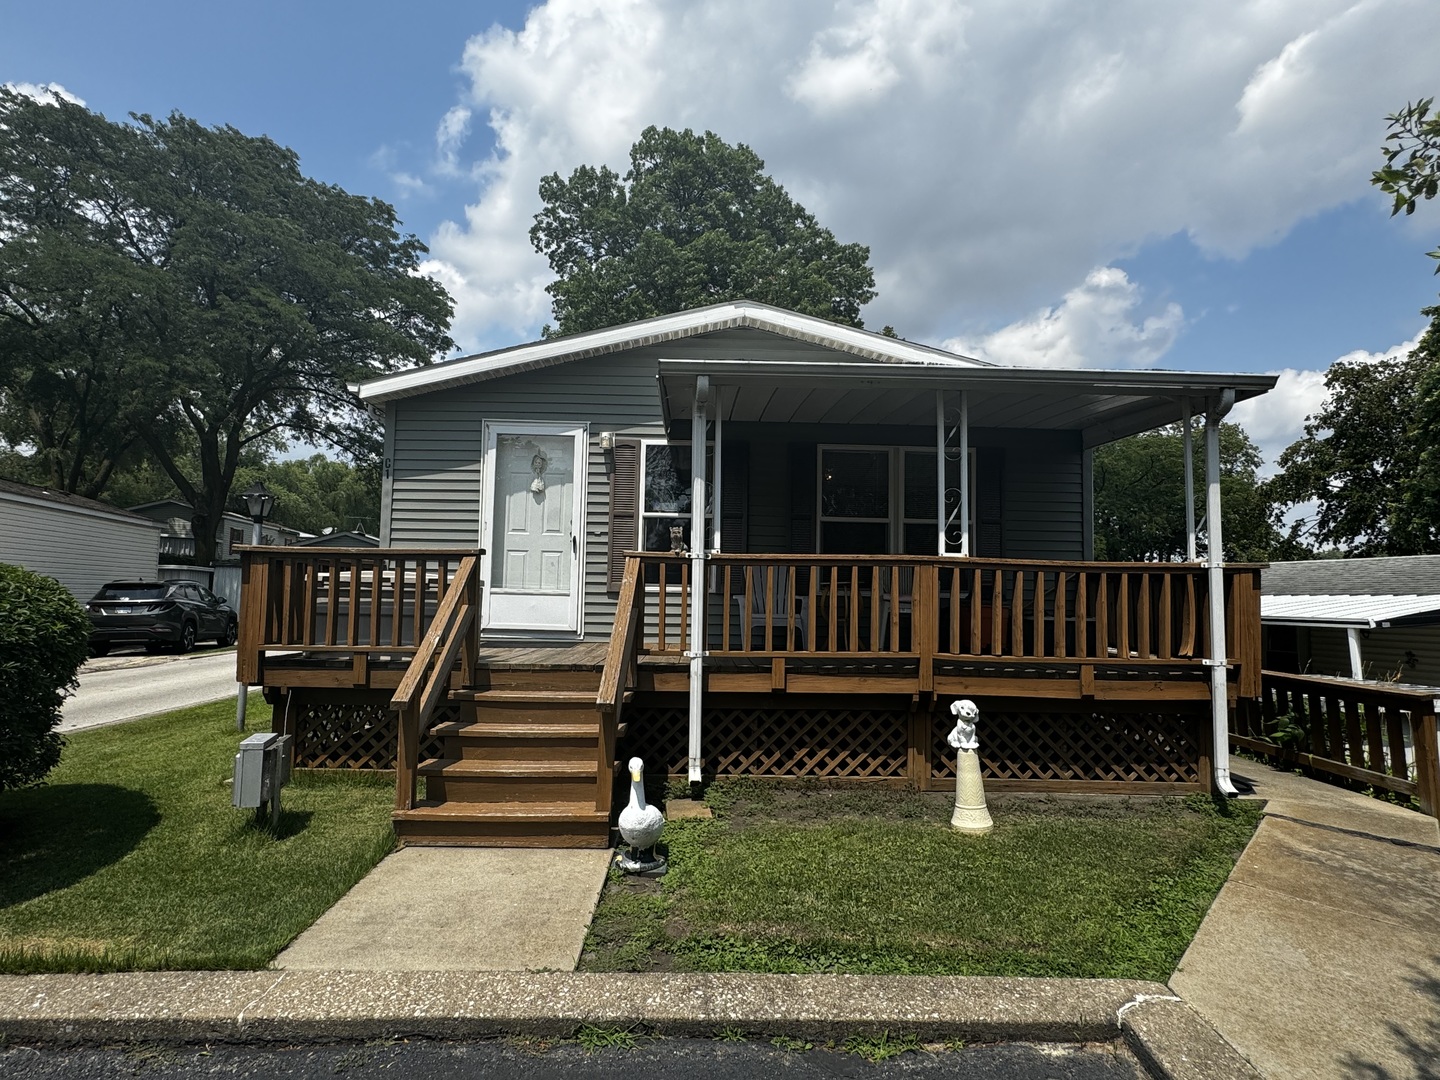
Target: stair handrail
[(617, 675), (427, 679)]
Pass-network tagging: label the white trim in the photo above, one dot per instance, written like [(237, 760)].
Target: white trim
[(120, 517), (742, 314)]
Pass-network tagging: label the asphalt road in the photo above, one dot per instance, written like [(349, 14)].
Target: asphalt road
[(657, 1059), (123, 686)]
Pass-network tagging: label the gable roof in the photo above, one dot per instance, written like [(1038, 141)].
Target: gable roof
[(30, 493), (739, 314), (1396, 575)]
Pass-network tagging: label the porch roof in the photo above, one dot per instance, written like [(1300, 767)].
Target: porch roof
[(1102, 405)]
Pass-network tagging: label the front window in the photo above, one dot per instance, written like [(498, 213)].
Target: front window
[(665, 510), (878, 500)]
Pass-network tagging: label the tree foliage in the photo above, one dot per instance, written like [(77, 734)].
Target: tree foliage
[(44, 638), (1412, 159), (188, 292), (695, 221), (1139, 486)]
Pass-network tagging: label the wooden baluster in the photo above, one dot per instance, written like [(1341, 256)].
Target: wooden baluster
[(1082, 617), (1122, 618), (660, 602), (397, 611), (769, 595), (1017, 615), (894, 630), (811, 610), (332, 604), (1187, 630), (745, 617), (1062, 583), (875, 587), (1102, 618), (421, 577), (725, 605), (377, 579), (352, 622), (790, 608), (997, 612), (684, 634), (1354, 742), (954, 643), (977, 607), (1037, 633), (854, 607), (1142, 616), (1399, 765), (834, 607), (1165, 627)]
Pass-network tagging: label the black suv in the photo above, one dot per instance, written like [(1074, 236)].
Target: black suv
[(156, 614)]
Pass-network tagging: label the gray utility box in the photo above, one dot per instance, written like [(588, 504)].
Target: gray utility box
[(262, 768)]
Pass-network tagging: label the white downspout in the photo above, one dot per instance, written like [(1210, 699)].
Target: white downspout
[(965, 543), (697, 568), (1190, 555), (1215, 561), (1357, 667), (941, 545)]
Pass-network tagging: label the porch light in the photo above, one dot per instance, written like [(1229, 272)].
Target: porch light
[(607, 440), (260, 502)]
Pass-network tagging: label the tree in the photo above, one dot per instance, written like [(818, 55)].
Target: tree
[(1359, 456), (1139, 486), (1412, 159), (695, 221), (44, 638), (229, 299), (318, 493)]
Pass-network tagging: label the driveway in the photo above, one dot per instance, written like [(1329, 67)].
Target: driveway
[(131, 684)]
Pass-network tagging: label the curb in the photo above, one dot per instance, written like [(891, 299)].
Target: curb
[(310, 1006)]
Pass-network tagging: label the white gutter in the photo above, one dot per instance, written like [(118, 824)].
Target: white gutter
[(1215, 561)]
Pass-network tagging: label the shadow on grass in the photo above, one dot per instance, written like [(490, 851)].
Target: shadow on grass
[(54, 836), (291, 823)]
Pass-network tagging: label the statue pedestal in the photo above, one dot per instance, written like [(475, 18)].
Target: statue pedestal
[(971, 814)]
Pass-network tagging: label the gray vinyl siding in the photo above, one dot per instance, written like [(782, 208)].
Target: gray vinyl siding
[(1386, 653), (434, 449), (80, 549)]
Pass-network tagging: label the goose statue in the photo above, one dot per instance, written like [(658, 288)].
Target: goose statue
[(640, 826)]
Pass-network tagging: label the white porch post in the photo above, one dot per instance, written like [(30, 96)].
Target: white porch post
[(1190, 555), (715, 479), (1215, 561), (965, 473), (942, 444), (1357, 667), (697, 568), (942, 547)]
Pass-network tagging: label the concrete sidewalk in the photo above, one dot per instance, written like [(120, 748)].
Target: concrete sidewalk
[(1321, 955)]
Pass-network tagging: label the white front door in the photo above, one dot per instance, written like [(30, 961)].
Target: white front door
[(533, 515)]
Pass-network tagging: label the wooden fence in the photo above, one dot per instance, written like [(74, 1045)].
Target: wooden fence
[(1365, 733)]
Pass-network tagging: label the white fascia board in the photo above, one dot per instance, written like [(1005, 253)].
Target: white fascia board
[(124, 517)]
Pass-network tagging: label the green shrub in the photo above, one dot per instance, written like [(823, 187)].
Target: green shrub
[(44, 638)]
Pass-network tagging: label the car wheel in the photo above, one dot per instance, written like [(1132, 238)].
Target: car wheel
[(99, 648), (187, 638), (230, 634)]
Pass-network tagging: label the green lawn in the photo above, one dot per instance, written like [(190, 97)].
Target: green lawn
[(809, 878), (131, 856)]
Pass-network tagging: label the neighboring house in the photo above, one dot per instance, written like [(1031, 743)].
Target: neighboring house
[(79, 542), (233, 530), (1360, 618), (353, 538), (875, 528)]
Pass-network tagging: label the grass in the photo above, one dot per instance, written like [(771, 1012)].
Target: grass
[(805, 878), (131, 857)]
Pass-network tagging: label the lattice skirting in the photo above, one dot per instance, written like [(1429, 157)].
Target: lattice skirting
[(820, 737), (880, 739), (353, 729), (1114, 745)]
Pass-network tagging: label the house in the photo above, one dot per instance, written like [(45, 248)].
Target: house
[(352, 538), (232, 531), (79, 542), (1371, 619), (742, 540)]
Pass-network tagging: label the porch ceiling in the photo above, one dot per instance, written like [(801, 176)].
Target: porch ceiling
[(1103, 405)]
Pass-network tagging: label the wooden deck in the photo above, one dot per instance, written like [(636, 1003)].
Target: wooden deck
[(1090, 677)]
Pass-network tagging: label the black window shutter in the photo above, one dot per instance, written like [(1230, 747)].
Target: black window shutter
[(802, 498), (990, 502), (734, 496), (624, 508)]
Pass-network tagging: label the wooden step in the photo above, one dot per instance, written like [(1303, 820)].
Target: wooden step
[(504, 824), (536, 742), (482, 780), (517, 729), (527, 697), (451, 769)]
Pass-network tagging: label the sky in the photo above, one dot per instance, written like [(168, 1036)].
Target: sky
[(1098, 183)]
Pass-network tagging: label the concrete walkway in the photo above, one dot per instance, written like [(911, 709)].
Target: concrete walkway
[(1321, 955), (459, 909)]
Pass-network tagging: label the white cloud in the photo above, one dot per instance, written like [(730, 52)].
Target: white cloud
[(44, 91), (1277, 419), (1094, 326), (990, 153)]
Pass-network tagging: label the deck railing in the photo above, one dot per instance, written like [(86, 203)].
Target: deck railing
[(925, 608), (449, 637), (1369, 733), (355, 603)]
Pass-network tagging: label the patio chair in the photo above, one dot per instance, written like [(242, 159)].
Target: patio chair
[(781, 608)]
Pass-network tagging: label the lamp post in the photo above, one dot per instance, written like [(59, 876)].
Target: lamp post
[(260, 503)]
